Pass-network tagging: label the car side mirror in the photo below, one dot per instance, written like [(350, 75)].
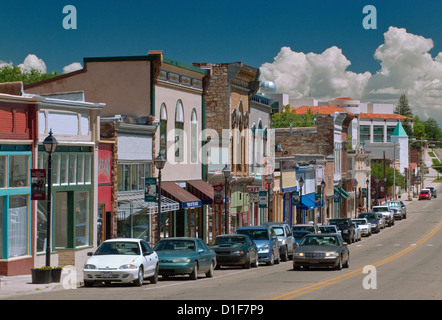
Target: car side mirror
[(344, 244), (90, 254)]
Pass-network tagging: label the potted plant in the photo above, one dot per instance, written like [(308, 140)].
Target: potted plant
[(41, 275), (56, 274)]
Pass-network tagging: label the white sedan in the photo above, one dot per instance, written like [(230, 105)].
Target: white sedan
[(121, 260)]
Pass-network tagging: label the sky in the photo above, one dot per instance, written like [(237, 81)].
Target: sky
[(316, 48)]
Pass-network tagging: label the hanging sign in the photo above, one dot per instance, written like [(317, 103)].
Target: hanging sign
[(38, 184)]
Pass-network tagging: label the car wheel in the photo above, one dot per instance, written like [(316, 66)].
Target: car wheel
[(194, 274), (139, 282), (285, 256), (272, 261), (347, 263), (209, 273), (154, 278), (248, 262), (88, 284), (256, 263), (339, 266)]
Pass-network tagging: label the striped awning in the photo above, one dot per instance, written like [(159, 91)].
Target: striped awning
[(201, 190), (173, 191)]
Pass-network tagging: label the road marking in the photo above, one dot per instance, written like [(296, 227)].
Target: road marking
[(299, 292)]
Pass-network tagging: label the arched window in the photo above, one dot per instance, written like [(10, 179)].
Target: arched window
[(179, 131), (163, 130), (193, 137)]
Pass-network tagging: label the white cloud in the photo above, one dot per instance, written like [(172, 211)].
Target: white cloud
[(72, 67), (406, 67), (33, 62)]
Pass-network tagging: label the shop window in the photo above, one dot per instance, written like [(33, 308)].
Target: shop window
[(19, 171), (131, 176), (3, 160), (193, 137), (18, 225), (82, 214), (179, 132), (163, 131)]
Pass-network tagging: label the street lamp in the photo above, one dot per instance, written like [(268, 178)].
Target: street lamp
[(322, 199), (301, 184), (356, 197), (269, 180), (50, 144), (226, 174), (160, 162), (367, 193)]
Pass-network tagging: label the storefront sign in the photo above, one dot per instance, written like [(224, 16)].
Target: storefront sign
[(218, 194), (262, 199), (38, 184)]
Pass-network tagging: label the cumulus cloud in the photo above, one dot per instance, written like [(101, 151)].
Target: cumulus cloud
[(72, 67), (33, 62), (406, 67)]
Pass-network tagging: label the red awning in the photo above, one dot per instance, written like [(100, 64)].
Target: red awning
[(187, 200), (202, 190)]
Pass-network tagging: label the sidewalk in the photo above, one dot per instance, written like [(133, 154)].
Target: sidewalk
[(22, 285)]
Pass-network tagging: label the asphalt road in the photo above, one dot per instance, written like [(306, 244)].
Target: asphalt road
[(400, 263)]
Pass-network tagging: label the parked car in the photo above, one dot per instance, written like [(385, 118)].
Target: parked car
[(386, 212), (189, 256), (433, 191), (121, 260), (266, 240), (285, 239), (363, 225), (311, 227), (425, 194), (234, 250), (344, 225), (382, 223), (399, 209), (357, 234), (299, 234), (325, 228), (324, 249), (373, 219)]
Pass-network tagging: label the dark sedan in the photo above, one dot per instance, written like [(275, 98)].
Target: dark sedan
[(234, 250), (318, 250)]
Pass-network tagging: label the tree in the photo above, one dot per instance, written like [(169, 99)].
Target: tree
[(404, 109), (9, 73), (288, 117), (377, 171)]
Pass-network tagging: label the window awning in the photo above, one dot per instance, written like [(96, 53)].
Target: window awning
[(201, 190), (137, 200), (173, 191), (340, 192), (308, 202)]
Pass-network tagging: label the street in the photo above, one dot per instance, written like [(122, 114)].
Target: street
[(401, 262)]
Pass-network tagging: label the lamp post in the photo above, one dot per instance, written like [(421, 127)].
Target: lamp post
[(301, 184), (356, 197), (160, 162), (377, 190), (322, 200), (367, 193), (226, 174), (269, 180), (50, 144)]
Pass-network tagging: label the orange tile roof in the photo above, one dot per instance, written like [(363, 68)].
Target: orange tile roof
[(382, 116), (343, 98), (319, 109)]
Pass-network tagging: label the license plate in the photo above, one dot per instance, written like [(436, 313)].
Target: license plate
[(106, 274)]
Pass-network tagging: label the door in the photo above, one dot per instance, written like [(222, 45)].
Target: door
[(205, 256), (150, 259)]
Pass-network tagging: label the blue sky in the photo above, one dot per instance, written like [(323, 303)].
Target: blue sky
[(210, 31), (252, 32)]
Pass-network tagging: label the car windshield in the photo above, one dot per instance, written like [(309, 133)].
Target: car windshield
[(359, 222), (304, 228), (279, 231), (425, 192), (299, 234), (394, 204), (339, 222), (381, 209), (114, 247), (182, 245), (229, 240), (255, 234), (327, 229), (319, 241)]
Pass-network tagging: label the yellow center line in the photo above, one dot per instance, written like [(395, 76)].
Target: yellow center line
[(349, 275)]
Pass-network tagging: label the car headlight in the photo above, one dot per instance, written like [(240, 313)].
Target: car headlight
[(128, 266), (265, 248), (331, 254), (299, 254), (90, 266), (238, 252), (181, 260)]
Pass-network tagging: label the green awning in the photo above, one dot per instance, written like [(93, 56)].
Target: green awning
[(341, 192)]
